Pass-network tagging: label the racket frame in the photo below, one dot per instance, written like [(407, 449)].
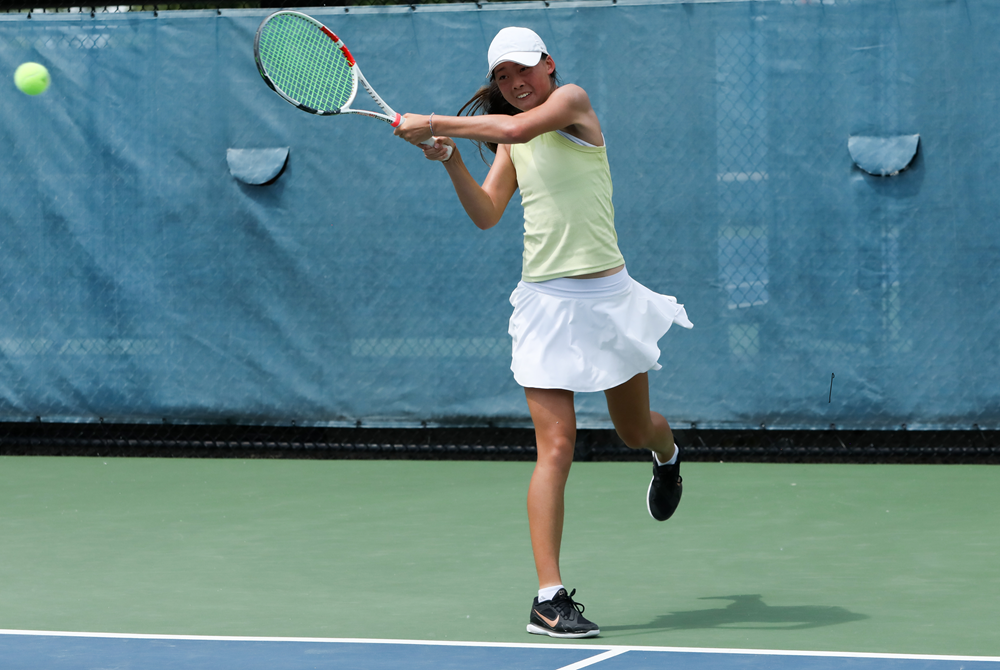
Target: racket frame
[(389, 116)]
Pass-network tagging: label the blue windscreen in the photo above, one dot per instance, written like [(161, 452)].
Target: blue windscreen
[(141, 280)]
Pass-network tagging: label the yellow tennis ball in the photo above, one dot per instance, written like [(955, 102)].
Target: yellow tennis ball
[(31, 78)]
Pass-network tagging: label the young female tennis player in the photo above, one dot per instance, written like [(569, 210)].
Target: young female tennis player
[(580, 323)]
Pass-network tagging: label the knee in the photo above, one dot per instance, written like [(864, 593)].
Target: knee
[(637, 437), (556, 451)]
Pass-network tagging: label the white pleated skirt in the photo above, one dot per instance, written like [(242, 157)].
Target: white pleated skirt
[(588, 335)]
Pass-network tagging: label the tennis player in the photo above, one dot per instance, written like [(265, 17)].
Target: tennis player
[(580, 322)]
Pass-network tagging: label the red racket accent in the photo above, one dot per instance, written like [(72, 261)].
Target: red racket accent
[(399, 120), (350, 58), (347, 54)]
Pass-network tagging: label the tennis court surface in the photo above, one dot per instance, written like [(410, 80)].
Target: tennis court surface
[(201, 563), (79, 651)]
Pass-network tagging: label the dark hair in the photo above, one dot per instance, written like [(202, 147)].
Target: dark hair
[(489, 100)]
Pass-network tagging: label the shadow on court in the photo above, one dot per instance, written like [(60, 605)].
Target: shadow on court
[(751, 612)]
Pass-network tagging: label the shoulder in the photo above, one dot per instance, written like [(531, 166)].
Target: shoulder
[(572, 94), (584, 122)]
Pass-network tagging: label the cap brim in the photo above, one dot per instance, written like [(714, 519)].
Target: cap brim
[(526, 58)]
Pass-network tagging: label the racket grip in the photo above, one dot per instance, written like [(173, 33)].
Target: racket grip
[(450, 149)]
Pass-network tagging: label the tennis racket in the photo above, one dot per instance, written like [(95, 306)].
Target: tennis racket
[(305, 63)]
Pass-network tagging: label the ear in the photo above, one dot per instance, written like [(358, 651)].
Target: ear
[(550, 65)]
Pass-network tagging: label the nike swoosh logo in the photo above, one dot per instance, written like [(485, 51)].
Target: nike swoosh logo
[(551, 622)]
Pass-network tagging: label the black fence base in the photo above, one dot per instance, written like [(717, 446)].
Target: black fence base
[(488, 443)]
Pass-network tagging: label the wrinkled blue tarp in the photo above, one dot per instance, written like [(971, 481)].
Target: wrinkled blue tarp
[(140, 281)]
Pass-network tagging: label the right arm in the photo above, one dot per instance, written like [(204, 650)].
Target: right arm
[(567, 108), (484, 204)]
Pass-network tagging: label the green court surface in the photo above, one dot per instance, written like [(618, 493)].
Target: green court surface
[(861, 558)]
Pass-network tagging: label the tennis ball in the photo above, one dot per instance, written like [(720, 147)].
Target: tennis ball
[(31, 78)]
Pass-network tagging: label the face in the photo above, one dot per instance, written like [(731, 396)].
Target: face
[(525, 87)]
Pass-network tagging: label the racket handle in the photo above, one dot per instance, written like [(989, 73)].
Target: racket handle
[(450, 149), (399, 121)]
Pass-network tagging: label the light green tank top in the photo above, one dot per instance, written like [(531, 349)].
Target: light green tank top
[(569, 221)]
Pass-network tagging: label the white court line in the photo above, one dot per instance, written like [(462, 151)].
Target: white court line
[(618, 649), (593, 660)]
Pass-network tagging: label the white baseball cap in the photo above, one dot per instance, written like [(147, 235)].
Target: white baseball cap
[(518, 45)]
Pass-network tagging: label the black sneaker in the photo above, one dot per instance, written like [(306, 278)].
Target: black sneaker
[(561, 617), (664, 490)]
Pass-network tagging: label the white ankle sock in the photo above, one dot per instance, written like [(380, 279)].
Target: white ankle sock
[(548, 592), (673, 459)]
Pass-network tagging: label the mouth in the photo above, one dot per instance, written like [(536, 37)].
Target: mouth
[(523, 96)]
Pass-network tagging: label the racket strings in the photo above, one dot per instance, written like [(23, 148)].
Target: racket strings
[(306, 64)]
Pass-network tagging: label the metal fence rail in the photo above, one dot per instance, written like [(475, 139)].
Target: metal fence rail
[(76, 7)]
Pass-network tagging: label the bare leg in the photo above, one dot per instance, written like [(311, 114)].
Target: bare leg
[(554, 417), (638, 427)]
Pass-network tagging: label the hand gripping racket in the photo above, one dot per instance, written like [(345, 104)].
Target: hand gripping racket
[(305, 63)]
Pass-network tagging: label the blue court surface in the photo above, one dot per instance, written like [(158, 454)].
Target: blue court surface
[(36, 650)]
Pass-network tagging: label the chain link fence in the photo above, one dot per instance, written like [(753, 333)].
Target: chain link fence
[(490, 443), (154, 305)]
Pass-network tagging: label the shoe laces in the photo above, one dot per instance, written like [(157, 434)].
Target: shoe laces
[(565, 603)]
